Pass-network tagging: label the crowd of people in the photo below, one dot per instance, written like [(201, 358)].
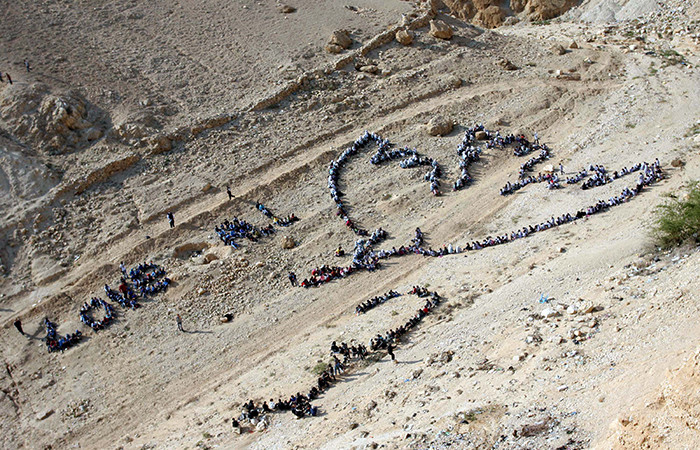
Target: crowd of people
[(55, 343), (88, 320)]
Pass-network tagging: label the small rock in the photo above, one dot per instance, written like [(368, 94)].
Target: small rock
[(440, 29), (354, 425), (677, 163), (520, 356), (340, 38), (573, 45), (439, 126), (332, 48), (558, 49), (562, 388), (505, 64), (481, 135), (416, 373), (369, 69), (286, 9), (44, 414), (288, 243), (404, 37), (549, 312)]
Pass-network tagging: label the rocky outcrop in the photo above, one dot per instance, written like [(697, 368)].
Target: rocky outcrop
[(53, 123), (490, 14)]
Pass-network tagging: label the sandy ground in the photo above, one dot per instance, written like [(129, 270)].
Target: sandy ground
[(161, 66)]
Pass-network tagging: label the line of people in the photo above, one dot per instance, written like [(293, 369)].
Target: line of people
[(375, 301), (369, 259), (409, 158)]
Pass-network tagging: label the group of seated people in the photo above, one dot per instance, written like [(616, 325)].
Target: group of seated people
[(281, 221), (383, 341), (88, 320), (549, 178), (145, 279), (148, 278), (55, 343), (375, 301), (650, 174), (299, 404), (125, 296), (468, 154), (229, 231)]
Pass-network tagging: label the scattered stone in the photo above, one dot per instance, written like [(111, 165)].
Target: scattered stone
[(371, 68), (439, 126), (520, 357), (286, 9), (573, 45), (677, 163), (481, 135), (562, 388), (440, 29), (332, 48), (505, 64), (558, 49), (571, 76), (416, 373), (354, 425), (404, 37), (288, 243), (533, 428), (548, 313), (340, 38), (44, 414)]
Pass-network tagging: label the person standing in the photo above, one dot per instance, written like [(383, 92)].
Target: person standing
[(178, 319), (390, 351), (18, 325), (171, 219), (293, 278), (26, 64), (228, 191)]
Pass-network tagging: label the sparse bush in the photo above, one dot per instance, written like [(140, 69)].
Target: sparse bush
[(319, 368), (678, 220)]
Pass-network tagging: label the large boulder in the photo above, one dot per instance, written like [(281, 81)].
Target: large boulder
[(440, 29), (439, 126)]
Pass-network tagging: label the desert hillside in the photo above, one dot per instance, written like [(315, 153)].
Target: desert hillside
[(530, 142)]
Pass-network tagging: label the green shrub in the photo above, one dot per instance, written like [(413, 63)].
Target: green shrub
[(678, 220)]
